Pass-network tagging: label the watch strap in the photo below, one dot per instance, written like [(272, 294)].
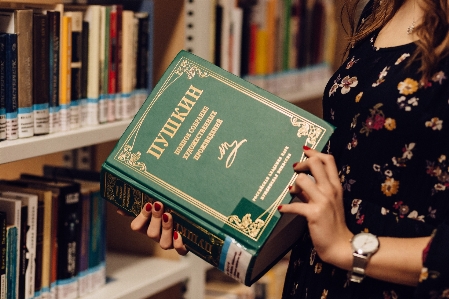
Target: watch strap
[(358, 267)]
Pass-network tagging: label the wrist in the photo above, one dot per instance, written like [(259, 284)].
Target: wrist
[(341, 255)]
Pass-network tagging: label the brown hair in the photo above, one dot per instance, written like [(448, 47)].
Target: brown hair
[(433, 32)]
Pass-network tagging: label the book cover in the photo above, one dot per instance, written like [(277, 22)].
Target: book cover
[(222, 167), (65, 88), (20, 22), (29, 236), (13, 210), (3, 255), (75, 67), (12, 126), (2, 87), (54, 22), (43, 233), (41, 74)]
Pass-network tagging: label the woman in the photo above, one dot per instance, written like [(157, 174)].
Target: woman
[(386, 170)]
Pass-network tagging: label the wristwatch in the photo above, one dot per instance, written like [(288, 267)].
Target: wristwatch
[(364, 245)]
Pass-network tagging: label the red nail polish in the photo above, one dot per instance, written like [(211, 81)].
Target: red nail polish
[(279, 207), (306, 148), (294, 164), (175, 235), (148, 207), (157, 207), (165, 217), (290, 187)]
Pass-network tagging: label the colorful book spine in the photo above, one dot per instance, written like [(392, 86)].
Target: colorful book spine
[(54, 20), (65, 72), (11, 262), (112, 63), (12, 126), (41, 74), (2, 87), (104, 62), (3, 249)]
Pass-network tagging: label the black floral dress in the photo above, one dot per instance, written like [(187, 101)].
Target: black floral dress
[(391, 146)]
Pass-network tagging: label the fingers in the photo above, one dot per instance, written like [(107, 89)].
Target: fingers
[(154, 229), (140, 223), (178, 244)]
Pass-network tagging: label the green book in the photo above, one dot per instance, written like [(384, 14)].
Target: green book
[(218, 152)]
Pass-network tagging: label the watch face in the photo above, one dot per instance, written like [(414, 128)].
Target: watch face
[(365, 243)]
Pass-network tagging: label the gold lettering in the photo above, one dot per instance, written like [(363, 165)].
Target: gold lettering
[(194, 92)]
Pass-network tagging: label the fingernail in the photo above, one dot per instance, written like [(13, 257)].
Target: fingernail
[(306, 148), (175, 235), (290, 187), (165, 217), (279, 208), (294, 164), (148, 207), (157, 207)]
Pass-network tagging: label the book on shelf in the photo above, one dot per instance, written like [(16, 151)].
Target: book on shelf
[(65, 82), (13, 210), (92, 257), (220, 167), (2, 87), (11, 85), (3, 255), (64, 235), (41, 74), (28, 233), (20, 21)]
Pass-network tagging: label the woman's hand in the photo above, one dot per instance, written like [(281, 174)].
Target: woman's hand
[(323, 207), (158, 225)]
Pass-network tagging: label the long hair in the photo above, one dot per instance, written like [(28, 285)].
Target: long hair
[(433, 31)]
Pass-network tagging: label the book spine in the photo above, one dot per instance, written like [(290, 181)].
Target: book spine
[(104, 61), (41, 74), (83, 256), (143, 48), (76, 69), (131, 197), (54, 20), (118, 54), (23, 259), (93, 16), (39, 248), (97, 244), (112, 63), (11, 262), (84, 116), (2, 87), (67, 242), (11, 87), (65, 73), (3, 255), (127, 64), (23, 19)]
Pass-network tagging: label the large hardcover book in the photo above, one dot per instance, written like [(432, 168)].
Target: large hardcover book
[(221, 167)]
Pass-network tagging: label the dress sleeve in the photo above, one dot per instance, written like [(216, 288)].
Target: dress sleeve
[(434, 279)]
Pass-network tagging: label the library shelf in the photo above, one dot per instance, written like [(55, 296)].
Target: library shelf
[(134, 276), (23, 148)]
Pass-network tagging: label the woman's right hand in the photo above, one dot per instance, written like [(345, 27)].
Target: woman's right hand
[(158, 225)]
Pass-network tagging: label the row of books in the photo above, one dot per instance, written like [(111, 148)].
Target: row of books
[(78, 65), (261, 37), (53, 235)]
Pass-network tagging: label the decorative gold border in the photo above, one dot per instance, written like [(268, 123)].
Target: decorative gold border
[(253, 229)]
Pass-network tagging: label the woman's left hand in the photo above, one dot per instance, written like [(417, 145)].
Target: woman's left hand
[(323, 207)]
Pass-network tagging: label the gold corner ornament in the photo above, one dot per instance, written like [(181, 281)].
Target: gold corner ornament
[(247, 225), (190, 69), (306, 128), (131, 158)]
